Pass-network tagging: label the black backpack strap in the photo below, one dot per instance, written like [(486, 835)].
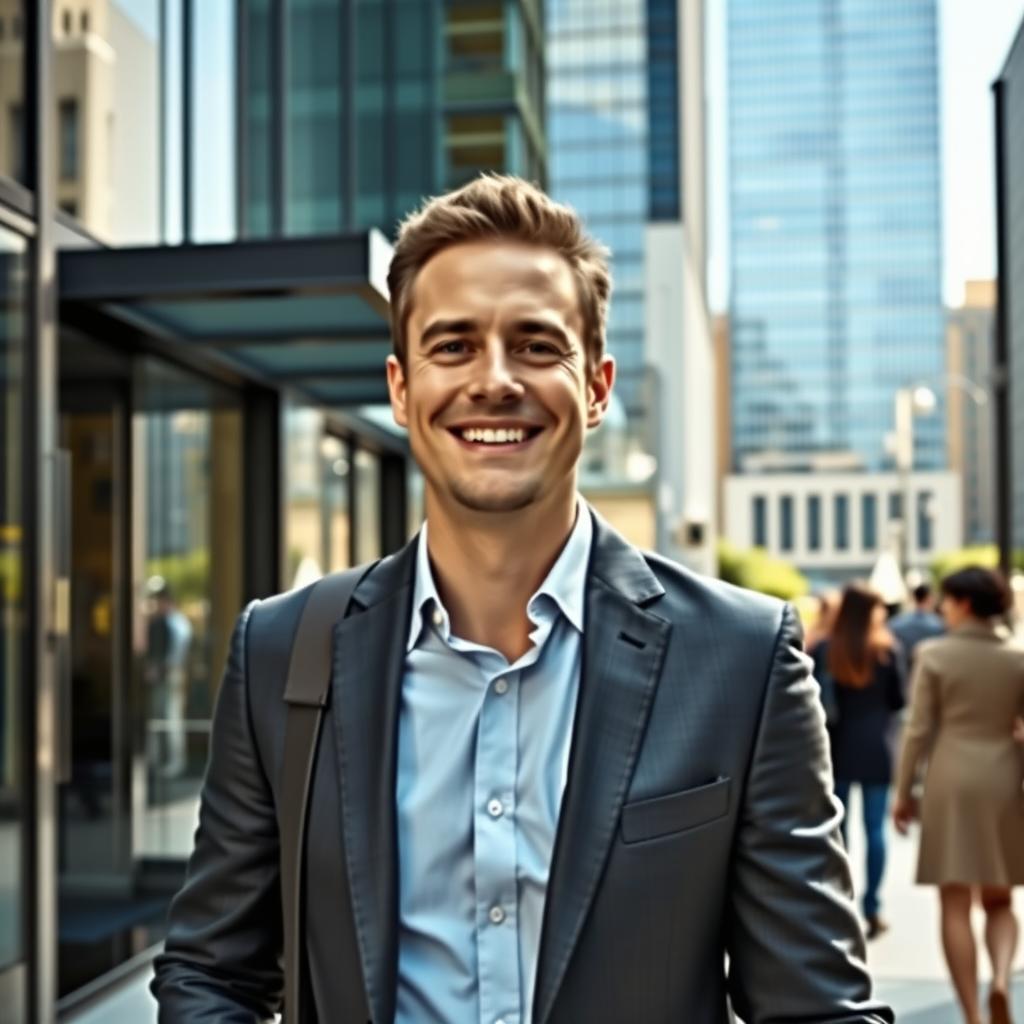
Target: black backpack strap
[(306, 694)]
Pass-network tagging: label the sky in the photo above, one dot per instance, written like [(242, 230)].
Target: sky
[(974, 39)]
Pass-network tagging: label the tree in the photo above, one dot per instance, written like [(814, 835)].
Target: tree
[(755, 569)]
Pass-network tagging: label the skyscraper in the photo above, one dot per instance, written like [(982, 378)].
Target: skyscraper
[(627, 146), (835, 234), (353, 110)]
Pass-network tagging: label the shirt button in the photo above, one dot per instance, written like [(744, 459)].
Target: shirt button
[(495, 808), (438, 617), (497, 915), (501, 687)]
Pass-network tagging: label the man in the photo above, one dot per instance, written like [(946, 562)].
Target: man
[(919, 623), (560, 781)]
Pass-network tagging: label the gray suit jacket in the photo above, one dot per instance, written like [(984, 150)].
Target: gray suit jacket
[(697, 820)]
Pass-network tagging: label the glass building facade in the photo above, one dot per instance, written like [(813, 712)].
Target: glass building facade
[(599, 129), (353, 110), (835, 234), (179, 424)]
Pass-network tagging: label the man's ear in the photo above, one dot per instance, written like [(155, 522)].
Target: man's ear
[(397, 390), (599, 390)]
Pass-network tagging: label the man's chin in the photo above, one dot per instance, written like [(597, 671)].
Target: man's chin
[(478, 498)]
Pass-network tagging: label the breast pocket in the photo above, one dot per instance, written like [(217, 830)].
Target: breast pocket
[(675, 812)]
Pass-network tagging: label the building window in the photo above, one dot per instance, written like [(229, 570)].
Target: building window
[(842, 522), (68, 140), (869, 521), (786, 522), (925, 505), (67, 23), (760, 521), (85, 21), (814, 522), (895, 505)]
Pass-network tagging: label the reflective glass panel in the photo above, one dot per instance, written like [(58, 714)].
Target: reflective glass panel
[(13, 122), (13, 271)]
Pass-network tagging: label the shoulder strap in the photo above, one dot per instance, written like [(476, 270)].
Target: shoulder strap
[(306, 693)]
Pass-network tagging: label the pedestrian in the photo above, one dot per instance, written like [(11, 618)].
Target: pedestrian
[(918, 623), (966, 701), (518, 770), (821, 628), (863, 669)]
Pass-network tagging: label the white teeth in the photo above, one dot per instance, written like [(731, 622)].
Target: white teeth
[(480, 435)]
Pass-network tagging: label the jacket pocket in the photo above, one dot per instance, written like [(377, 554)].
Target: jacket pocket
[(676, 812)]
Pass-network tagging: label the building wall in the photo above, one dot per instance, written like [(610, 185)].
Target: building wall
[(835, 222), (1011, 215), (969, 342), (935, 525)]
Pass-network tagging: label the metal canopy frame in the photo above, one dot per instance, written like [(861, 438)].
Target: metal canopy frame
[(249, 307)]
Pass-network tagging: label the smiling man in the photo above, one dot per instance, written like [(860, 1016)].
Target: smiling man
[(557, 780)]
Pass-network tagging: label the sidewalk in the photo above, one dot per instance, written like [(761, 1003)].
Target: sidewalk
[(907, 962)]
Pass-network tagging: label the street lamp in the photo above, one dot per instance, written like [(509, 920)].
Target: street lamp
[(918, 400)]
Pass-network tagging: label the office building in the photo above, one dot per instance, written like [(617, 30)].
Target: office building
[(1008, 412), (835, 234), (627, 144), (194, 223), (833, 523), (970, 342)]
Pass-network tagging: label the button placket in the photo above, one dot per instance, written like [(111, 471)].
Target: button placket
[(495, 849)]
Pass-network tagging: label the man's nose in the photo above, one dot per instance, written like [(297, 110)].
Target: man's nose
[(494, 378)]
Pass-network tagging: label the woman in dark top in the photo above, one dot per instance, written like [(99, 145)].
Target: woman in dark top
[(863, 676)]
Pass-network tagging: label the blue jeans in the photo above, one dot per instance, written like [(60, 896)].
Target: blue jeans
[(875, 798)]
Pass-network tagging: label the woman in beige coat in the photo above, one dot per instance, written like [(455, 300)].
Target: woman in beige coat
[(967, 696)]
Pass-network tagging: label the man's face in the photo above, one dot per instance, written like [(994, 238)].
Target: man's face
[(496, 392)]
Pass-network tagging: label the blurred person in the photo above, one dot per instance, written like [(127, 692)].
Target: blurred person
[(863, 668), (967, 700), (168, 641), (558, 779), (821, 628), (918, 623)]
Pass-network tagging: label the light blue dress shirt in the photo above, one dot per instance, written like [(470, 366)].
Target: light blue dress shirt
[(483, 756)]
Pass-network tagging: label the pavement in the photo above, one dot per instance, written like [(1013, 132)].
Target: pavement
[(906, 963)]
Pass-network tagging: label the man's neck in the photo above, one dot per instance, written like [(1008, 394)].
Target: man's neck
[(488, 565)]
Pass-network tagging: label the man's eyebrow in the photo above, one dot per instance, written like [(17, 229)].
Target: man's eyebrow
[(441, 327), (531, 325)]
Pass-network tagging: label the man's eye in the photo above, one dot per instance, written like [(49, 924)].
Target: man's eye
[(451, 348), (540, 348)]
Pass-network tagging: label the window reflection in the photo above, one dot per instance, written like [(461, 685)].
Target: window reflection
[(12, 330), (188, 570), (12, 93)]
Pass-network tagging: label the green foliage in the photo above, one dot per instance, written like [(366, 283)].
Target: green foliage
[(187, 575), (985, 555), (757, 570)]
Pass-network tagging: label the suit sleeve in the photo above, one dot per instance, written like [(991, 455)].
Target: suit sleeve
[(795, 946), (221, 961), (921, 724)]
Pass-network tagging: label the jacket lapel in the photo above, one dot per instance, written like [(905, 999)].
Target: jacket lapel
[(624, 647), (368, 662)]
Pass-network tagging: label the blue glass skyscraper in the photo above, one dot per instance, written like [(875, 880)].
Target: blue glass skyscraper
[(835, 234), (613, 145)]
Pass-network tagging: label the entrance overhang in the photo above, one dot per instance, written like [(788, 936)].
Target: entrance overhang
[(310, 314)]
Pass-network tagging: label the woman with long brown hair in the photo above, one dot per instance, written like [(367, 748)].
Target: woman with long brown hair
[(863, 665), (966, 703)]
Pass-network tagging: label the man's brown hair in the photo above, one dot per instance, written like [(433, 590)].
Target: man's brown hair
[(500, 207)]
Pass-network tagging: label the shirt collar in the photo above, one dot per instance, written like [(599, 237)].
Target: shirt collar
[(565, 583)]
